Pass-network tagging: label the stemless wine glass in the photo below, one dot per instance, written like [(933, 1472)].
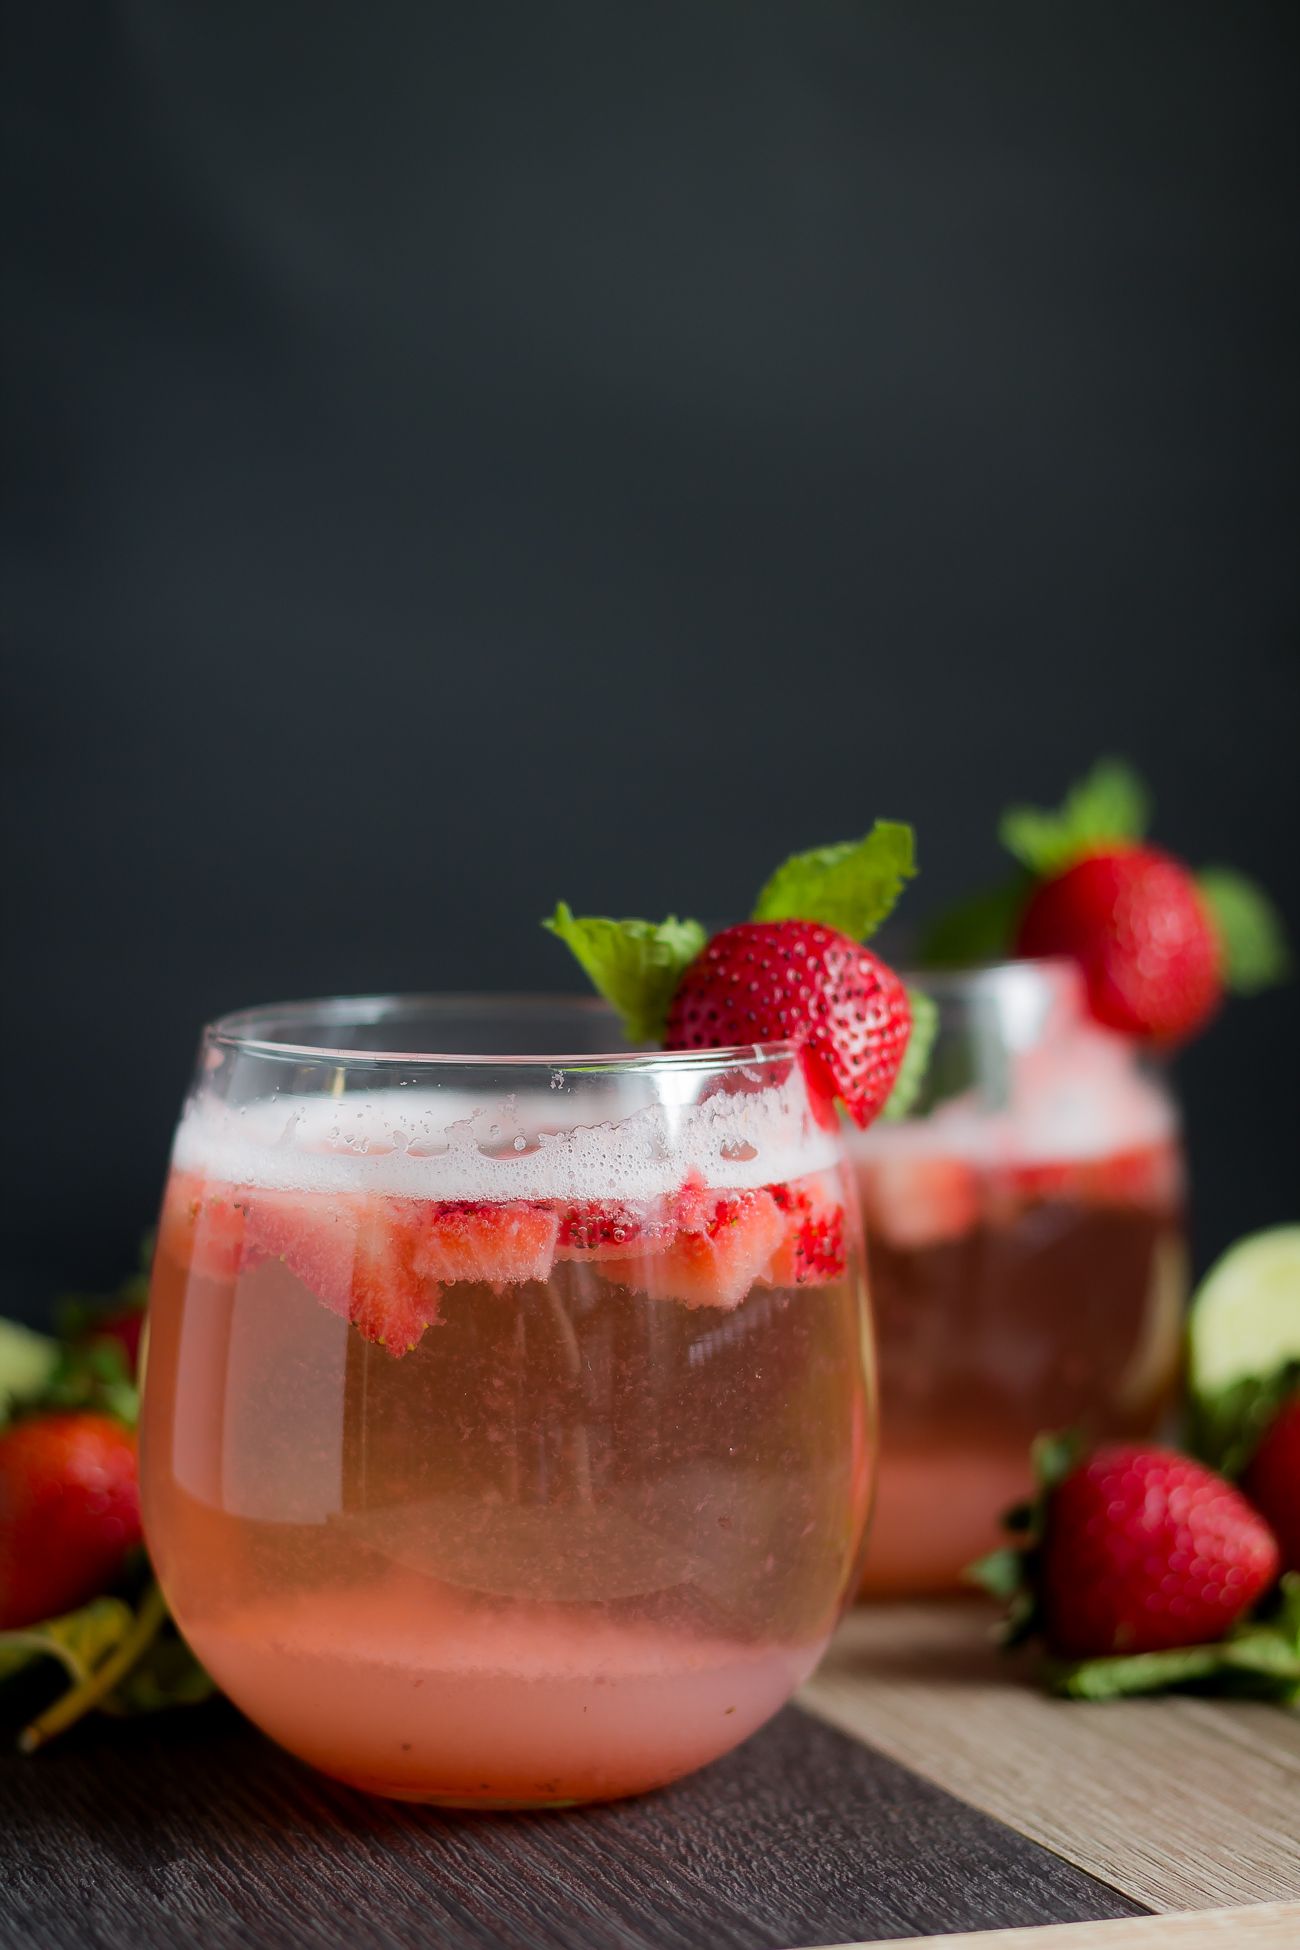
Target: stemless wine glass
[(508, 1428), (1026, 1256)]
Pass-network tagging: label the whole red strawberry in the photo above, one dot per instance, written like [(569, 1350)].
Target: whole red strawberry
[(1272, 1480), (773, 981), (69, 1512), (1134, 920), (1144, 1549)]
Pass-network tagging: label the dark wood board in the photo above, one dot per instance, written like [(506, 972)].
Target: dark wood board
[(192, 1829)]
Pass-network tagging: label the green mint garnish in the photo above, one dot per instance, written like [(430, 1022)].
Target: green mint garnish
[(1111, 805), (635, 965), (1249, 927), (118, 1661), (27, 1364), (851, 886), (916, 1057), (1260, 1659)]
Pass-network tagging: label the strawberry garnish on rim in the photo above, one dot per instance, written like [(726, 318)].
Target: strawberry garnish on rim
[(797, 981), (1158, 945), (794, 972)]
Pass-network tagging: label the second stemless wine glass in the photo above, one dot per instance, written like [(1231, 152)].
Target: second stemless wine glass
[(508, 1426), (1027, 1263)]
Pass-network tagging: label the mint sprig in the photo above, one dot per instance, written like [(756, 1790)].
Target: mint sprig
[(1260, 1659), (850, 886), (635, 965), (1252, 940), (118, 1658), (916, 1057), (1110, 805)]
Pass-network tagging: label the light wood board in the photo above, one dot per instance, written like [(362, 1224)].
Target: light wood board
[(1181, 1803), (1269, 1926)]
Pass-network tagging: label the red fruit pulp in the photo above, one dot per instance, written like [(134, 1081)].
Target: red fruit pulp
[(69, 1513)]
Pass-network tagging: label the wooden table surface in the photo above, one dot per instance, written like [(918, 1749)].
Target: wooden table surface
[(920, 1792)]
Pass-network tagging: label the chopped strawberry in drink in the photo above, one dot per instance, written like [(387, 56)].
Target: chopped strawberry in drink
[(915, 1200), (501, 1244), (202, 1227), (726, 1246), (812, 1251), (1146, 1177), (597, 1229), (355, 1251)]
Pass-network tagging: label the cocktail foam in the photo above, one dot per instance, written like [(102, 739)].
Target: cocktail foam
[(432, 1144), (1074, 1098)]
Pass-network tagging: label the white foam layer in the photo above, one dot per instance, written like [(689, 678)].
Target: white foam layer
[(1076, 1098), (432, 1145)]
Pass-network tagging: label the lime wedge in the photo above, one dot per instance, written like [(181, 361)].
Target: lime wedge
[(27, 1361), (1245, 1317)]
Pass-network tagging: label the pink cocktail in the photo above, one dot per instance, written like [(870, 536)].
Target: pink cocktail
[(508, 1429), (1027, 1263)]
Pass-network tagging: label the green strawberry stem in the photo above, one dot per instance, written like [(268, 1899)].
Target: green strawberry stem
[(85, 1697)]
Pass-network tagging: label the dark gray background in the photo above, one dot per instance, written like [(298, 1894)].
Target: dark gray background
[(457, 456)]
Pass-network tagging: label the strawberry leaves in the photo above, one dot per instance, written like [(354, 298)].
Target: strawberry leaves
[(1108, 807), (1260, 1659), (1252, 941), (118, 1658), (851, 886)]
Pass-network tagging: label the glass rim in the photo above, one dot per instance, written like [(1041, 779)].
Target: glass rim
[(247, 1032), (1056, 973)]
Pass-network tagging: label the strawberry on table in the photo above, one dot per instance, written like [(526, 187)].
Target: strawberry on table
[(69, 1512), (1140, 1569), (1144, 1549), (1272, 1479)]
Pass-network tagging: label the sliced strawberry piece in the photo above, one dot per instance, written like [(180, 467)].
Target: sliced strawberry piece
[(355, 1251), (769, 981), (499, 1244), (715, 1259), (201, 1227), (597, 1229), (920, 1200), (812, 1251)]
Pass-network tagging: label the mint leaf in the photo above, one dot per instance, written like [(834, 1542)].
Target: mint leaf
[(916, 1057), (635, 965), (1226, 1427), (167, 1674), (980, 928), (850, 886), (1252, 939), (27, 1361), (1111, 804), (1261, 1658), (1141, 1672), (80, 1642)]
